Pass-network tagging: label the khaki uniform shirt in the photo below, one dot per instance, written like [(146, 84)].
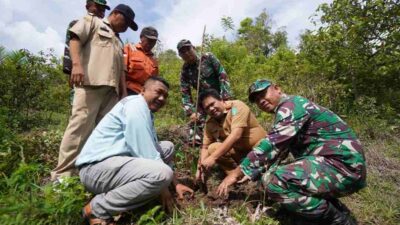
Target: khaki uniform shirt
[(237, 115), (101, 52)]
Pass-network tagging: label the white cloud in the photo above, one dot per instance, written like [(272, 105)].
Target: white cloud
[(295, 17), (24, 35), (41, 24), (37, 25), (185, 19), (6, 12)]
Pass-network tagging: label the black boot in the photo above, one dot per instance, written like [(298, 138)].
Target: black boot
[(331, 216), (334, 216), (340, 206)]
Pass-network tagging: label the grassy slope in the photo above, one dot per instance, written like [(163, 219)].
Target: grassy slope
[(25, 198)]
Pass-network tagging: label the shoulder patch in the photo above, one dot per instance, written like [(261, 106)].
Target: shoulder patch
[(234, 111)]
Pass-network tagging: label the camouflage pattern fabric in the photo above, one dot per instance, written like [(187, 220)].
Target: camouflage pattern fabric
[(67, 62), (213, 76), (329, 161)]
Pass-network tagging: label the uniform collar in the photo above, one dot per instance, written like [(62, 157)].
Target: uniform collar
[(283, 98), (107, 22), (228, 106), (196, 63)]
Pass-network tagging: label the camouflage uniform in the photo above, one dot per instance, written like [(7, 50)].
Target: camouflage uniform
[(329, 160), (213, 76)]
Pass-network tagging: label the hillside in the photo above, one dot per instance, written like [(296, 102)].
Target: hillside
[(350, 65)]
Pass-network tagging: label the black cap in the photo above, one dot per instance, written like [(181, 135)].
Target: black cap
[(183, 43), (128, 14), (150, 33)]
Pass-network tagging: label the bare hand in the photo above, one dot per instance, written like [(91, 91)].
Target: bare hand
[(208, 163), (243, 180), (77, 75), (194, 117), (201, 175), (229, 180), (167, 200), (182, 189)]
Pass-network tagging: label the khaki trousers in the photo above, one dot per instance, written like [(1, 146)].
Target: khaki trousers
[(89, 106), (230, 160)]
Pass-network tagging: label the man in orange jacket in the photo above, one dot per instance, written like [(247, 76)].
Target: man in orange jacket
[(139, 60)]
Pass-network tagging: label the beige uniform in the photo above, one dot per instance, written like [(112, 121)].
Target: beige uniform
[(102, 60), (237, 115)]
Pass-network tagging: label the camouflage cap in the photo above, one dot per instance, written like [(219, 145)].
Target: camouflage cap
[(183, 43), (257, 86), (100, 2), (150, 33)]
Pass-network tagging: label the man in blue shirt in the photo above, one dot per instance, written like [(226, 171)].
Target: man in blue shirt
[(123, 163)]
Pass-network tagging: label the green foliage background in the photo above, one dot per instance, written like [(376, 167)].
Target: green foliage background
[(350, 64)]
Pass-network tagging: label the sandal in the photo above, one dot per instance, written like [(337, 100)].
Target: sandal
[(88, 216)]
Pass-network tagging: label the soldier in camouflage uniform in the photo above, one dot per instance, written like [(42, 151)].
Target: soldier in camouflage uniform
[(212, 76), (94, 8), (329, 159)]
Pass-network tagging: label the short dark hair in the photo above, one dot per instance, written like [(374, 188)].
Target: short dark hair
[(208, 93), (157, 78)]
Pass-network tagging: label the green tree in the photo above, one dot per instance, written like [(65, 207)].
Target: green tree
[(31, 88), (227, 23), (257, 36), (358, 46)]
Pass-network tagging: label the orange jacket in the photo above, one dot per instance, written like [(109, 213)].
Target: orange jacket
[(140, 66)]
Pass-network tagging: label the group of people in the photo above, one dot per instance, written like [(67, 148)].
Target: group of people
[(111, 142)]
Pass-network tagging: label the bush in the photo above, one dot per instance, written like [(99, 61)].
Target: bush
[(24, 202)]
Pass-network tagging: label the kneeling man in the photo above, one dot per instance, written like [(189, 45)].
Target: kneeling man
[(329, 159), (231, 131), (123, 163)]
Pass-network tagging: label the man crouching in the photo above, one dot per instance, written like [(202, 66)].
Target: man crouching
[(230, 133), (123, 163), (329, 158)]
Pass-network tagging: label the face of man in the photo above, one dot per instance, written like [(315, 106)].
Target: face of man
[(268, 99), (147, 43), (96, 9), (188, 54), (213, 107), (155, 93), (118, 22)]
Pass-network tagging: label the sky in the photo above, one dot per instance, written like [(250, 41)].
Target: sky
[(38, 25)]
